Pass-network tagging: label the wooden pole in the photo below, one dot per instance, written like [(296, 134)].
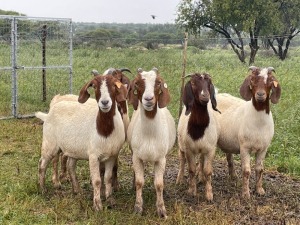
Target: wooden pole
[(44, 35), (183, 71)]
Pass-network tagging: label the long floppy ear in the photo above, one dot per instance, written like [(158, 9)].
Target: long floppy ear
[(84, 94), (213, 97), (121, 92), (245, 89), (133, 98), (164, 96), (276, 92), (188, 97), (126, 81)]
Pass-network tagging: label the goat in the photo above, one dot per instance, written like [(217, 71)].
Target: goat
[(123, 109), (84, 132), (198, 131), (247, 126), (151, 132)]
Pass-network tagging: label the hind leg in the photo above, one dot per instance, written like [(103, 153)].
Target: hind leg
[(48, 152)]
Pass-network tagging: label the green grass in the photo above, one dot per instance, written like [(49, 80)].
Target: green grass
[(20, 140)]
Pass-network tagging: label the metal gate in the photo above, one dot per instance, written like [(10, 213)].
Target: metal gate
[(35, 63)]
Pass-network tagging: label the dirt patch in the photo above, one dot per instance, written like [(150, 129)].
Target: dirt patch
[(280, 204)]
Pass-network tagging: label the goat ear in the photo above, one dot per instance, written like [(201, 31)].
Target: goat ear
[(133, 98), (276, 92), (121, 92), (84, 94), (188, 97), (164, 96), (213, 97), (245, 90)]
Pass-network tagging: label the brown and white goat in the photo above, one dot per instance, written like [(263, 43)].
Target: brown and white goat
[(247, 126), (198, 131), (123, 109), (151, 133), (82, 131)]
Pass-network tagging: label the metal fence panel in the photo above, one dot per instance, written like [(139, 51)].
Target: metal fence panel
[(37, 52)]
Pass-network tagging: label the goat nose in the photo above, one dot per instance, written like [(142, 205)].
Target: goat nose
[(261, 94), (104, 102), (148, 98)]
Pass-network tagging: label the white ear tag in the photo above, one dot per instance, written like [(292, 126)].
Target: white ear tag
[(165, 85)]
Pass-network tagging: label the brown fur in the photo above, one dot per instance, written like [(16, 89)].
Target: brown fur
[(117, 92), (161, 94), (254, 86), (196, 104)]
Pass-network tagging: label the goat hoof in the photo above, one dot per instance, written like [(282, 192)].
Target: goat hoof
[(111, 202), (162, 212), (246, 195), (57, 185), (192, 192), (209, 197), (138, 209), (260, 191), (97, 205)]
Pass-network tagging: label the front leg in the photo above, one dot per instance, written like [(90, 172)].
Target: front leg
[(94, 165), (191, 160), (109, 164), (182, 160), (159, 170), (259, 168), (138, 167), (246, 171)]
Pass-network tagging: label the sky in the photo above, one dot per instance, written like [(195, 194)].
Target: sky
[(98, 11)]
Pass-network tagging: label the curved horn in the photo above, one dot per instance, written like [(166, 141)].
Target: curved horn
[(252, 68), (155, 70), (271, 69), (109, 71), (95, 72), (125, 69), (189, 75)]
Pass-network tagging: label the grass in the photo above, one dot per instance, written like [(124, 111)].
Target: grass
[(20, 142)]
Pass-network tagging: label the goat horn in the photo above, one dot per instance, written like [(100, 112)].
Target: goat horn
[(271, 69), (125, 69), (155, 69), (95, 72), (252, 68), (187, 75)]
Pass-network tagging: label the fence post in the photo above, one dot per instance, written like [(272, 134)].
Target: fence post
[(183, 71), (14, 65), (44, 35)]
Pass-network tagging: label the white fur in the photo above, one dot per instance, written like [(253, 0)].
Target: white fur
[(244, 130)]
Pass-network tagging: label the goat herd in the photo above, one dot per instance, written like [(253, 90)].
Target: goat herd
[(79, 127)]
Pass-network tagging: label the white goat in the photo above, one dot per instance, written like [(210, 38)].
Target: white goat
[(151, 132), (247, 126), (198, 131), (84, 132)]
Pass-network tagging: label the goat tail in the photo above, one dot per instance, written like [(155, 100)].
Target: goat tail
[(41, 115)]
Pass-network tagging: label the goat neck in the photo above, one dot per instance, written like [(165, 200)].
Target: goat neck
[(198, 121)]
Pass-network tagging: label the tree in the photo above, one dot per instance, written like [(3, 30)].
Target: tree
[(286, 28), (233, 19)]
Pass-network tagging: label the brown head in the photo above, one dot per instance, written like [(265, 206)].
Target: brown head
[(149, 90), (108, 91), (261, 86), (199, 90)]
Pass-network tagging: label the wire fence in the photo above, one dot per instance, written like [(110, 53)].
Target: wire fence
[(42, 57), (36, 63)]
